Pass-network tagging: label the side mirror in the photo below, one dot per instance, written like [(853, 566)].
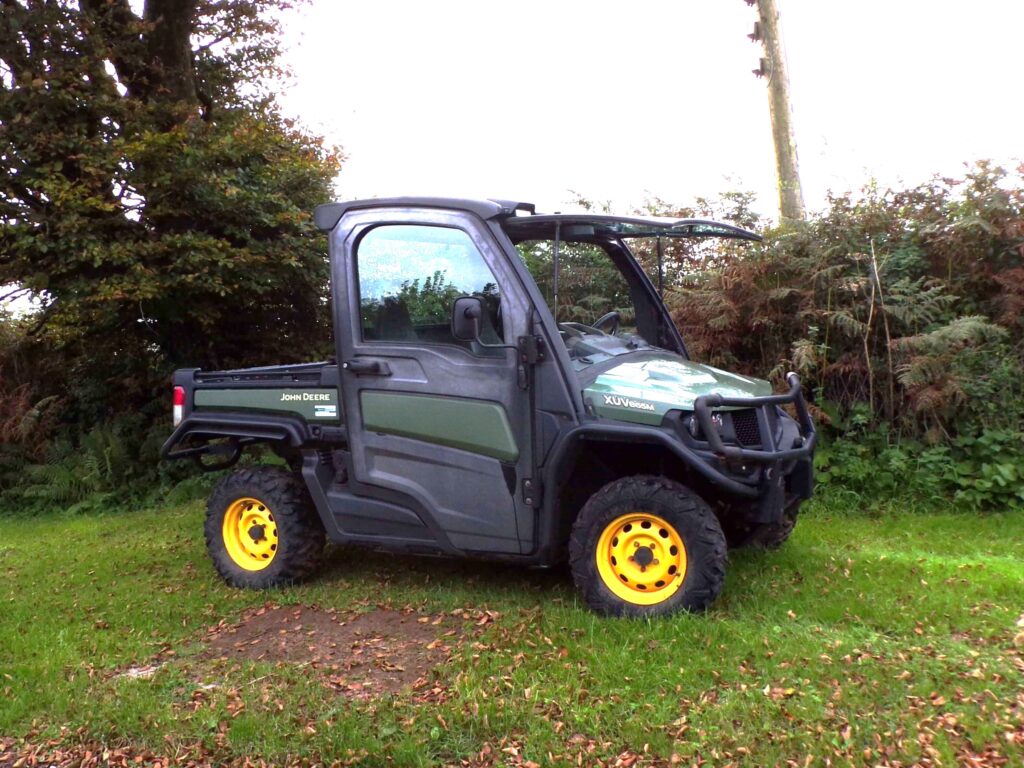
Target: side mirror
[(466, 314)]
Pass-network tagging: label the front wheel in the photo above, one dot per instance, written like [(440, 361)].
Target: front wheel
[(647, 546), (261, 529)]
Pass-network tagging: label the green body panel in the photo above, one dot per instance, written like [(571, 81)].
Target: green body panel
[(643, 391), (314, 404), (472, 425)]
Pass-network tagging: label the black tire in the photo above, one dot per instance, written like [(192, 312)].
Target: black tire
[(774, 535), (299, 541), (764, 535), (694, 523)]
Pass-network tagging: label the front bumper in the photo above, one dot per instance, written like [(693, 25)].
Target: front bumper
[(771, 451)]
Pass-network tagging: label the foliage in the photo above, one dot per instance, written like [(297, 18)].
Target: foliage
[(980, 473), (903, 300), (963, 370), (158, 205), (154, 197), (987, 470), (110, 465), (429, 302), (589, 284)]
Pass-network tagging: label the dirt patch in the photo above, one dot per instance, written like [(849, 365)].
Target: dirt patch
[(362, 655)]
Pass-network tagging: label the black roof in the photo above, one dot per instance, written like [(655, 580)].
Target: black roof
[(327, 215), (574, 225), (537, 225)]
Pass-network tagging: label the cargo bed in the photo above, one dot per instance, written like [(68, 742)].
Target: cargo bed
[(286, 405)]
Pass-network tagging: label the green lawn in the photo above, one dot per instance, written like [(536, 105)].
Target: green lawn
[(867, 639)]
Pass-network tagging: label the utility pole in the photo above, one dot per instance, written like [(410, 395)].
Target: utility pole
[(773, 66)]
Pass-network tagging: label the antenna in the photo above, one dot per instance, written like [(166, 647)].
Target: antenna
[(554, 267)]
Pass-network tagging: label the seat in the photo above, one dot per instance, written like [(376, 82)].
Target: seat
[(394, 322), (491, 343)]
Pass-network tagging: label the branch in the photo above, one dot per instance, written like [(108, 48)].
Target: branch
[(120, 35), (207, 46), (25, 196), (44, 316), (19, 291), (169, 47), (13, 48), (206, 101)]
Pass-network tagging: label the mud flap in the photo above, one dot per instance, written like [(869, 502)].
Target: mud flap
[(801, 480), (771, 505)]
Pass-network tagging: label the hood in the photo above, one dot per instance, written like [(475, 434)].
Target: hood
[(643, 391)]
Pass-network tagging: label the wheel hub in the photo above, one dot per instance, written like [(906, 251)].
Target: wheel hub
[(250, 534), (644, 556), (641, 558)]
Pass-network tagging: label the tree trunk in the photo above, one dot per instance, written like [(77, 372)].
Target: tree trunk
[(170, 49), (791, 196)]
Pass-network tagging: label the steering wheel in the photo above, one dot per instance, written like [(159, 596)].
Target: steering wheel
[(613, 320)]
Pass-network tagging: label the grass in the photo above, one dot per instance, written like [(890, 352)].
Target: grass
[(867, 639)]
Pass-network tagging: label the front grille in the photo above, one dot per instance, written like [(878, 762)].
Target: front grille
[(744, 424)]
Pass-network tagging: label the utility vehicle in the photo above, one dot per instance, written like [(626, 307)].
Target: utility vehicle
[(508, 385)]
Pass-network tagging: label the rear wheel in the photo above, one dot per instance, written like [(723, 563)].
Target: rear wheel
[(647, 546), (261, 529)]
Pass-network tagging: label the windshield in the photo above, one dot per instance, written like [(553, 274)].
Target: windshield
[(590, 299), (604, 297)]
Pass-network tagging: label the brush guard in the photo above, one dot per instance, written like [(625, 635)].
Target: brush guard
[(769, 453)]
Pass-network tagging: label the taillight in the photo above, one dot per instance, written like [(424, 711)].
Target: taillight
[(179, 405)]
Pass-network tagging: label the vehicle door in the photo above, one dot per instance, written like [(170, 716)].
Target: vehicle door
[(439, 423)]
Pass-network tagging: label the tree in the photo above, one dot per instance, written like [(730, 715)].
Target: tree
[(152, 193)]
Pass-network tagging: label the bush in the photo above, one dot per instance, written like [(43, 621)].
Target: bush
[(980, 473), (908, 302)]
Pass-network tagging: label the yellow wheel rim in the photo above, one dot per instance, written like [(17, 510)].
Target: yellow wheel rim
[(641, 558), (250, 534)]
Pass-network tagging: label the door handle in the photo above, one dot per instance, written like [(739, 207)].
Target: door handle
[(367, 367)]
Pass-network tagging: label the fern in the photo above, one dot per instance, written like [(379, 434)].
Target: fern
[(937, 380), (57, 482)]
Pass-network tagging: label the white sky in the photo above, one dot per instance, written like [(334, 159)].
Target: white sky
[(528, 100)]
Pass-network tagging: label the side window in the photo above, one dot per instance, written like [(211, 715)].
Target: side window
[(409, 276)]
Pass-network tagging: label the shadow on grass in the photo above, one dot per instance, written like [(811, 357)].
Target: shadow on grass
[(416, 571), (754, 574), (865, 575)]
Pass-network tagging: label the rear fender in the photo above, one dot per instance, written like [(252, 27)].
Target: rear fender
[(240, 430)]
